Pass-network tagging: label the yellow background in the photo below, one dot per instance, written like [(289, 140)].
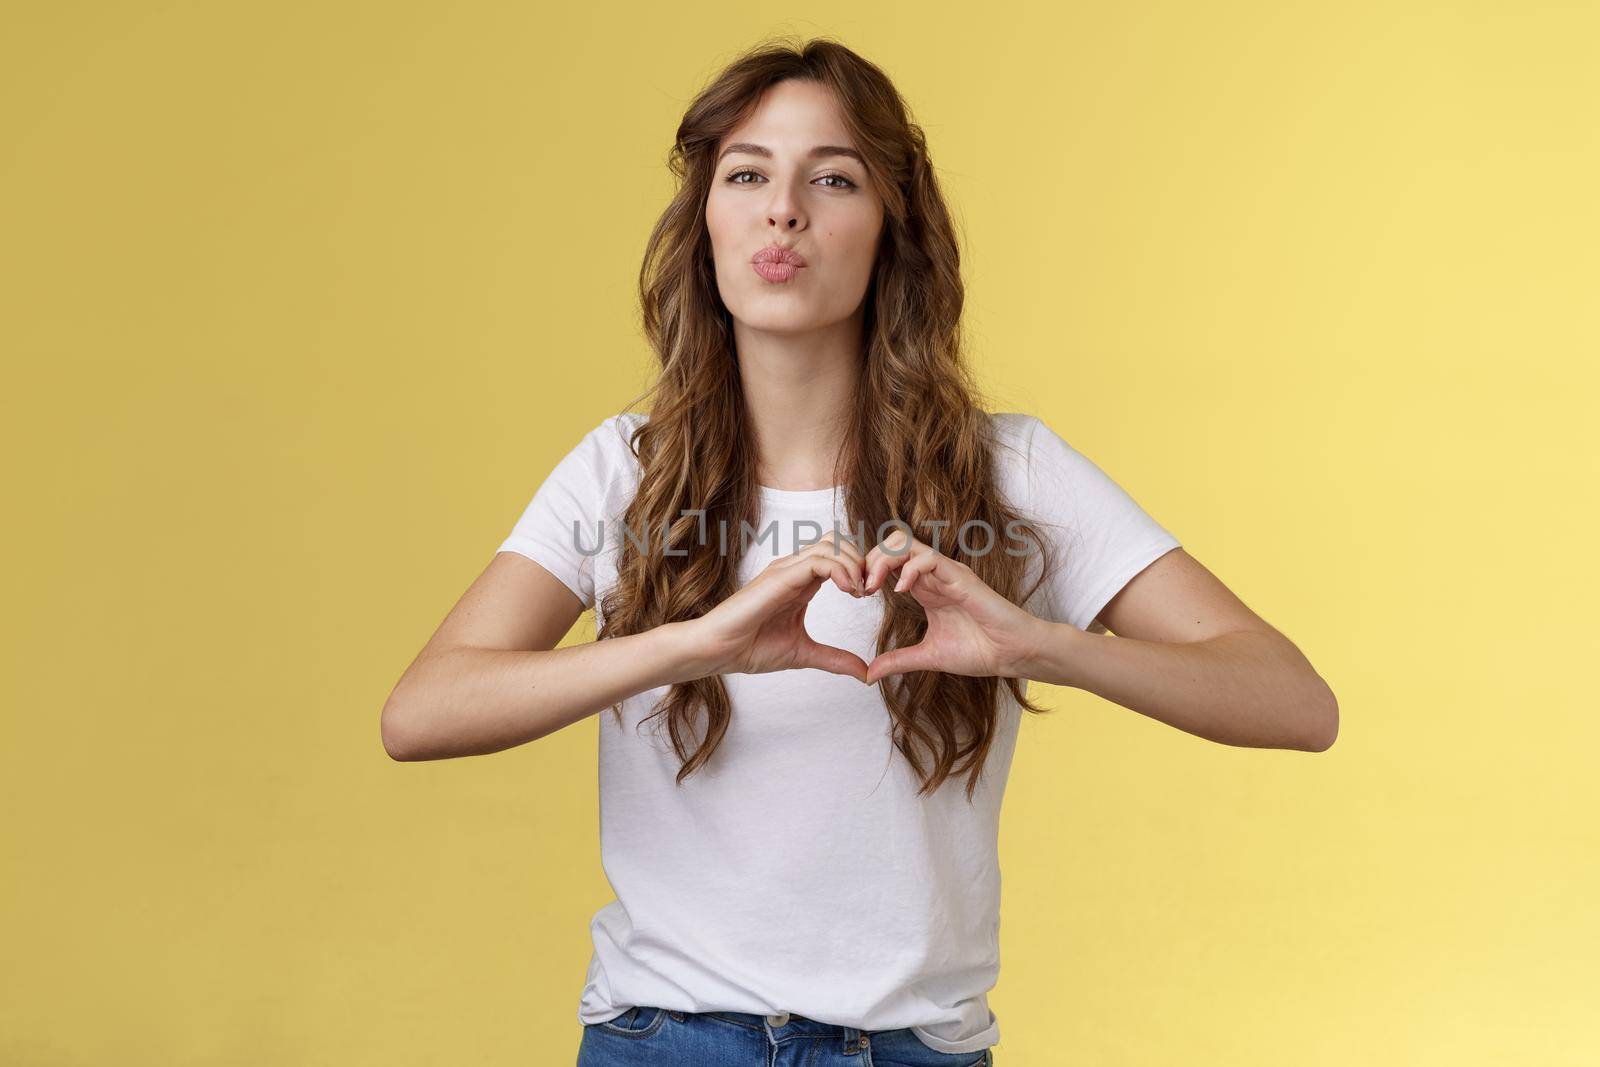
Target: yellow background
[(300, 302)]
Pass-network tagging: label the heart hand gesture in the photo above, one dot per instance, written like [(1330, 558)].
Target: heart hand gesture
[(972, 629), (761, 628)]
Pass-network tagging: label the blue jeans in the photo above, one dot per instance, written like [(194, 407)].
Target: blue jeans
[(656, 1037)]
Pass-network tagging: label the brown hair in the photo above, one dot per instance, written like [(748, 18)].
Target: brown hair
[(916, 446)]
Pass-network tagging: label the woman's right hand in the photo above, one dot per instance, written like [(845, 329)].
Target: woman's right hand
[(761, 628)]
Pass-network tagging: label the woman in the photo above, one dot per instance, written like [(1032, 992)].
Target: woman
[(822, 577)]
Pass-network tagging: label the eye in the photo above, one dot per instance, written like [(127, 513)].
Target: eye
[(733, 178)]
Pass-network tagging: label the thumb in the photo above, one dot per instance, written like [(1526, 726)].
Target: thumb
[(831, 659), (898, 661)]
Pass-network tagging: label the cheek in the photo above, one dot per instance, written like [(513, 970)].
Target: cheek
[(855, 232), (719, 220), (858, 240)]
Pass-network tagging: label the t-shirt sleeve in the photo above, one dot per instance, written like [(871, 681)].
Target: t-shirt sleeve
[(560, 527), (1099, 535)]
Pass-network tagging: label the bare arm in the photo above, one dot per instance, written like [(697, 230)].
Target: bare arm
[(491, 677), (1188, 652)]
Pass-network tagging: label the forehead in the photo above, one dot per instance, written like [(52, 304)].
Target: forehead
[(792, 116)]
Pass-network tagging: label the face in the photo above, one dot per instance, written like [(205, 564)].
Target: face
[(771, 185)]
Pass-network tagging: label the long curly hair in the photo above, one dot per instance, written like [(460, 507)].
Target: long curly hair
[(916, 446)]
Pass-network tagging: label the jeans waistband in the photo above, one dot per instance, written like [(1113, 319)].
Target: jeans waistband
[(852, 1038)]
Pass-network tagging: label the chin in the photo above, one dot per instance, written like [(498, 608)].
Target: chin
[(797, 319)]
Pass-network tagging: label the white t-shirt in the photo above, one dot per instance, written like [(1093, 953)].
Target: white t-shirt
[(797, 871)]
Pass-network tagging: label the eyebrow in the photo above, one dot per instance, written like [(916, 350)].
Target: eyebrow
[(822, 151)]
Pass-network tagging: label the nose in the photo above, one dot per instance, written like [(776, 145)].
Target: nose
[(784, 212)]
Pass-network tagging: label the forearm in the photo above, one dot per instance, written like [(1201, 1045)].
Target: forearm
[(471, 701), (1252, 689)]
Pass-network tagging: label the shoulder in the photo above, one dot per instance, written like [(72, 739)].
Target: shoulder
[(607, 449), (1012, 437), (1031, 445), (615, 440), (1013, 431), (601, 469), (614, 434), (1040, 471)]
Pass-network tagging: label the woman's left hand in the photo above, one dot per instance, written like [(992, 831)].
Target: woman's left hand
[(972, 629)]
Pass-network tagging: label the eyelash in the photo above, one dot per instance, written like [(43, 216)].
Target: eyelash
[(730, 179)]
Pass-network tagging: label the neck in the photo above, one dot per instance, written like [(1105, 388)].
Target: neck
[(798, 390)]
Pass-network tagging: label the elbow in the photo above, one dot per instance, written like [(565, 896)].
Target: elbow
[(398, 733), (1324, 722)]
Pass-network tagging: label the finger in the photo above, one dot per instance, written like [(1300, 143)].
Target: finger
[(836, 545), (789, 586), (845, 577), (843, 541), (915, 657), (806, 575), (924, 568), (898, 543), (831, 659), (900, 539), (832, 543), (880, 562)]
